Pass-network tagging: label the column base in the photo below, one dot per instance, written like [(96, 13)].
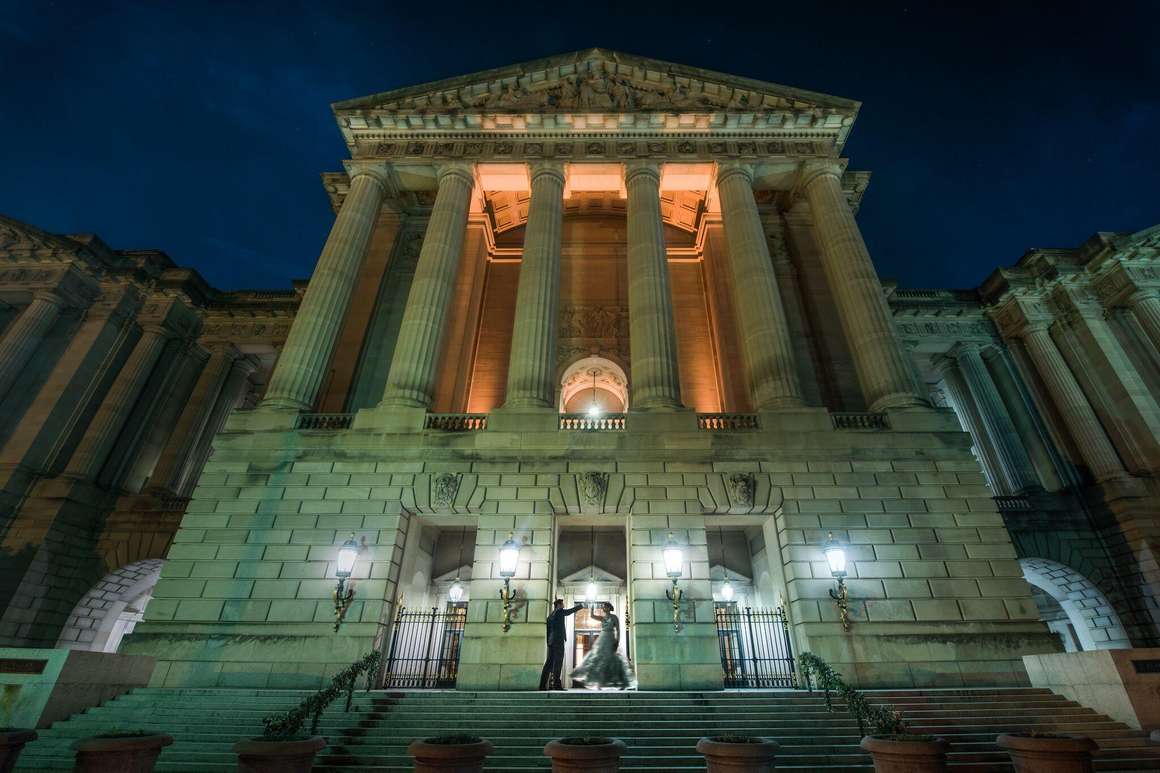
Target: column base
[(264, 419), (897, 401), (523, 419), (390, 418)]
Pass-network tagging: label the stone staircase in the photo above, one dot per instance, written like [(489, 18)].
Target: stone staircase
[(660, 728)]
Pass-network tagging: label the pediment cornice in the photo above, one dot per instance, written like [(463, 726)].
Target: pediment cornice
[(597, 91)]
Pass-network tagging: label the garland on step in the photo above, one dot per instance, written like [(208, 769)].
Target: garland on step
[(885, 720), (288, 724)]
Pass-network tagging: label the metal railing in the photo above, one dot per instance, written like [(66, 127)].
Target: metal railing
[(755, 646), (456, 422), (859, 420), (582, 422), (727, 422), (425, 647), (1013, 503), (327, 421)]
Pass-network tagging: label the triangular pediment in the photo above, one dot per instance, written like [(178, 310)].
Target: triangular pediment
[(17, 238), (598, 80)]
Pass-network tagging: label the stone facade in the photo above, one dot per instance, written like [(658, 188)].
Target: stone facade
[(117, 368), (686, 240)]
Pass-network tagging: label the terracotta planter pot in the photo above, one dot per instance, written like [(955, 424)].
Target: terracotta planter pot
[(599, 758), (894, 756), (291, 756), (11, 744), (449, 757), (725, 757), (1039, 754), (128, 754)]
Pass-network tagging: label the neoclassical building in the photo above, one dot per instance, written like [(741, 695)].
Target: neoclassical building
[(573, 314)]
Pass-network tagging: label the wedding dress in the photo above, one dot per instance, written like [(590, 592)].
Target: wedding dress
[(604, 667)]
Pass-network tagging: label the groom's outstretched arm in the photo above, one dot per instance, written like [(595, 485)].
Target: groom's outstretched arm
[(573, 610)]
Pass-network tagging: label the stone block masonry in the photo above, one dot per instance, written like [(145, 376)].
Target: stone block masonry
[(937, 596)]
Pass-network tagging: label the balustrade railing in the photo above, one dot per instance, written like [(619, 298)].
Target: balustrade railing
[(859, 420), (582, 422), (1013, 503), (727, 422), (456, 422), (327, 421)]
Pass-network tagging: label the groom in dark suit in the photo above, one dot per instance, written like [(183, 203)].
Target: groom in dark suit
[(557, 635)]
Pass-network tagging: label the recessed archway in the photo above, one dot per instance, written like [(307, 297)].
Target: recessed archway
[(1092, 617), (110, 610), (594, 380)]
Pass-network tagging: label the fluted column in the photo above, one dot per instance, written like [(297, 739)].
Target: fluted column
[(532, 362), (655, 377), (178, 453), (93, 451), (25, 334), (1145, 304), (229, 397), (997, 420), (1078, 416), (955, 386), (298, 374), (411, 380), (1028, 424), (883, 368), (769, 360)]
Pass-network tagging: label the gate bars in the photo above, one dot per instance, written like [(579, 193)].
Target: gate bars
[(425, 646), (755, 647)]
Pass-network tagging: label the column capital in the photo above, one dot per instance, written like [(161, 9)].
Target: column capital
[(945, 364), (728, 169), (465, 170), (815, 169), (548, 167), (374, 170), (644, 166), (52, 296)]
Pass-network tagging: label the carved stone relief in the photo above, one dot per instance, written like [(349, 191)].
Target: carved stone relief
[(592, 487), (741, 487), (444, 487)]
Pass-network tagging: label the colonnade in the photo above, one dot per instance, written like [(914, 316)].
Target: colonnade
[(885, 374)]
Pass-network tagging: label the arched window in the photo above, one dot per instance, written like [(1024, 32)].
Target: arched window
[(594, 385)]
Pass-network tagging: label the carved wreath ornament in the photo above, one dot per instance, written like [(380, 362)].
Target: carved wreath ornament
[(593, 486)]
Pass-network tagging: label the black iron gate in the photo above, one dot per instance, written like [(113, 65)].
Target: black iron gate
[(425, 645), (755, 647)]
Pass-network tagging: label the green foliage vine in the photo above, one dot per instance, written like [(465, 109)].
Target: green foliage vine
[(884, 720), (289, 724)]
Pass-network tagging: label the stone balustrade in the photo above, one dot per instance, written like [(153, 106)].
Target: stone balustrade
[(727, 422), (859, 420), (456, 422), (324, 421), (609, 422)]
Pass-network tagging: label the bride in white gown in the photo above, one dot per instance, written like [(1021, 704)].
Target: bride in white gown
[(604, 667)]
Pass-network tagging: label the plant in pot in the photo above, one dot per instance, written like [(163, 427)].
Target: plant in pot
[(283, 747), (1048, 752), (589, 753), (12, 740), (738, 753), (120, 751), (456, 753)]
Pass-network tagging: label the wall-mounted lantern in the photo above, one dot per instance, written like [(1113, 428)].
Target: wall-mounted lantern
[(344, 568), (509, 559), (674, 558), (836, 558)]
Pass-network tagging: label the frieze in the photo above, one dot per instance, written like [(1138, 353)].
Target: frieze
[(620, 149), (593, 322), (946, 329), (248, 330)]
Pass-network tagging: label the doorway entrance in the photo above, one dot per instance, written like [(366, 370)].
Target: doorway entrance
[(592, 570)]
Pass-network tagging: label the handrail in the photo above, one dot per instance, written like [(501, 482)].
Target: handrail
[(859, 420), (329, 421), (456, 422), (290, 723), (727, 422), (886, 720), (608, 422)]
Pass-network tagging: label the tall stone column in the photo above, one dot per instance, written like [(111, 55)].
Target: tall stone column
[(1093, 442), (178, 454), (25, 334), (997, 421), (532, 362), (883, 369), (1145, 304), (411, 381), (769, 360), (94, 448), (1028, 424), (655, 376), (230, 394), (298, 375), (965, 408)]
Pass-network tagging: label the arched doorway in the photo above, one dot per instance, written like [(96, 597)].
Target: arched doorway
[(1074, 607), (594, 385), (110, 610)]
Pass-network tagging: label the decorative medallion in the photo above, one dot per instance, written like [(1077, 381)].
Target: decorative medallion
[(444, 487), (776, 148), (747, 148), (563, 149), (686, 147), (656, 147), (534, 149), (386, 149), (593, 486), (416, 148), (742, 487), (504, 148), (594, 149), (626, 148), (444, 148), (473, 148)]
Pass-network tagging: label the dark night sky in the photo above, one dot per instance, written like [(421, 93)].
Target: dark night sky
[(201, 128)]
